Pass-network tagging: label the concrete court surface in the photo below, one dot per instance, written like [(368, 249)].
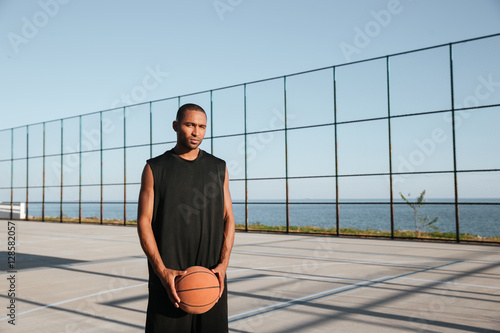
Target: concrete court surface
[(93, 278)]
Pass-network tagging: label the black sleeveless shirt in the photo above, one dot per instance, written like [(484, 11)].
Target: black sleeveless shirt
[(188, 215)]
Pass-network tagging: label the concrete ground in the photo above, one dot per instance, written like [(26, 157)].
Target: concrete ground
[(93, 278)]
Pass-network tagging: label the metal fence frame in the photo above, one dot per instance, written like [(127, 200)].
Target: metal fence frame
[(286, 130)]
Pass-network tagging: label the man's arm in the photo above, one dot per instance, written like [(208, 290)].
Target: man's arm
[(147, 238), (229, 230)]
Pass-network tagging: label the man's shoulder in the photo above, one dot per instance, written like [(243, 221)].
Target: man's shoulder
[(213, 158), (160, 158)]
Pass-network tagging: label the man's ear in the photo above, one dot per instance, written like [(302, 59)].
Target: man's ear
[(174, 125)]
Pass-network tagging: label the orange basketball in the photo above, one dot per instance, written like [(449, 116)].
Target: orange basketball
[(198, 290)]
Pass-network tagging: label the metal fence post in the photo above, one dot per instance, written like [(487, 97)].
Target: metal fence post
[(62, 175), (211, 122), (287, 193), (80, 170), (337, 205), (391, 189), (452, 90), (11, 173), (150, 130), (124, 166), (43, 172), (246, 153), (101, 166), (27, 171)]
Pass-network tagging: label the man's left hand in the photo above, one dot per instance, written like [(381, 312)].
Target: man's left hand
[(220, 271)]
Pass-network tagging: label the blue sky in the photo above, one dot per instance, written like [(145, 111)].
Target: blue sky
[(61, 58), (85, 56)]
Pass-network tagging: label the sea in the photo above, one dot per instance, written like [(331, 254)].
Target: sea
[(478, 217)]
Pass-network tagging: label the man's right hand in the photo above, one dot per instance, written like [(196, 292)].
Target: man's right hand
[(167, 277)]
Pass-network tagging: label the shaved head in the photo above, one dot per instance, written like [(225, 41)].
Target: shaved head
[(188, 107)]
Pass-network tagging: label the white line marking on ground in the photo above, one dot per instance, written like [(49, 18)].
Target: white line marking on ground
[(336, 250), (451, 282), (464, 247), (75, 299), (338, 260), (300, 277), (304, 298), (84, 263), (282, 266), (330, 263)]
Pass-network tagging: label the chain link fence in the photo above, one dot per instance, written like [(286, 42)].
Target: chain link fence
[(330, 151)]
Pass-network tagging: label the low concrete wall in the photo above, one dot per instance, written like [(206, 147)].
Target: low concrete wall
[(18, 210)]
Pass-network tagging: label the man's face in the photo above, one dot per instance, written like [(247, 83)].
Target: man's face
[(191, 129)]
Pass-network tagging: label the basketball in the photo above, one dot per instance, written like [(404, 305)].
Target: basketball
[(198, 290)]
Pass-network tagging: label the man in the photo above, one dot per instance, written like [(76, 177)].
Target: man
[(185, 219)]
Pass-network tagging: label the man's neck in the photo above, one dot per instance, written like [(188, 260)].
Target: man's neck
[(187, 154)]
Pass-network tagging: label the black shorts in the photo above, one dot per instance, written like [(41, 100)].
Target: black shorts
[(163, 316)]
